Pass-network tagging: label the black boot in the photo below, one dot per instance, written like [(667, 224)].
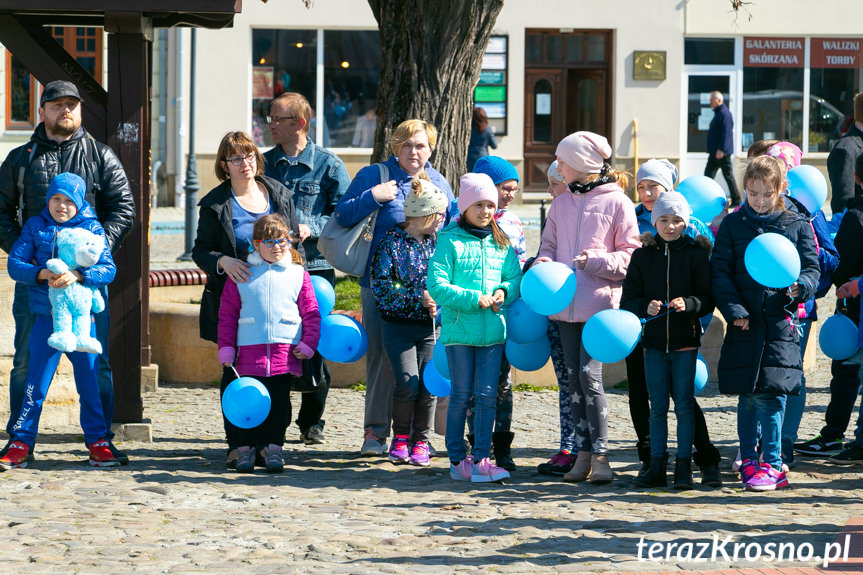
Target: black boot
[(683, 473), (707, 461), (643, 455), (501, 442), (654, 475)]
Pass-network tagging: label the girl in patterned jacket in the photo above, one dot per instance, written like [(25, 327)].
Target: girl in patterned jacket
[(267, 337), (398, 279)]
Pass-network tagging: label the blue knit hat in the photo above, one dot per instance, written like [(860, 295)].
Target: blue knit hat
[(496, 168), (70, 185)]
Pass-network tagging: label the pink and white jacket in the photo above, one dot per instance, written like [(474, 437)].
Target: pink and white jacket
[(602, 225), (258, 312)]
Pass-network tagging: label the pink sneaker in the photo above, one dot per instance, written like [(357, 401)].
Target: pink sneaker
[(420, 454), (767, 479), (399, 449), (485, 472), (462, 471), (748, 468)]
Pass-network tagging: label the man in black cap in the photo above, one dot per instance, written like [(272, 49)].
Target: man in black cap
[(59, 144)]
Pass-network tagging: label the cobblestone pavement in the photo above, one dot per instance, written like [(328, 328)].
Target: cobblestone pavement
[(175, 509)]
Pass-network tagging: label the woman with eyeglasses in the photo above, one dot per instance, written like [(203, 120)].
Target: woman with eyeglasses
[(411, 144), (226, 217)]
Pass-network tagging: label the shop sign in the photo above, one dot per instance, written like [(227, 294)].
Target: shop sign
[(769, 52), (836, 52)]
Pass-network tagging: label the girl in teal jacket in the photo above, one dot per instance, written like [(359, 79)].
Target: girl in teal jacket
[(472, 274)]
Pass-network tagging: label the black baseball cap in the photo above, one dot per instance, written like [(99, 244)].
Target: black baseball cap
[(59, 89)]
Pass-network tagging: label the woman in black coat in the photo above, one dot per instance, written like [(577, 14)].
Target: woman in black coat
[(226, 217), (761, 360)]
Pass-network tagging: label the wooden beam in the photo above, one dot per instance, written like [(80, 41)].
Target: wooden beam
[(129, 55), (141, 6), (46, 59)]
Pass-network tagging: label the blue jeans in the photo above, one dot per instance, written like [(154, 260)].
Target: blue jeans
[(764, 410), (45, 360), (671, 374), (474, 372), (24, 319), (795, 404)]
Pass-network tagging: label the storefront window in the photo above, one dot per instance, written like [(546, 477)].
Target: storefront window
[(286, 61), (711, 51), (833, 81), (772, 90)]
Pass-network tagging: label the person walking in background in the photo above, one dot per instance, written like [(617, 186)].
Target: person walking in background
[(411, 146), (317, 180), (267, 326), (60, 144), (720, 146), (593, 229), (760, 361), (472, 274), (481, 137), (408, 313), (841, 161)]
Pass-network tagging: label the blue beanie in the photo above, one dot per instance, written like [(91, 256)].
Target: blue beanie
[(496, 168), (70, 185), (662, 172)]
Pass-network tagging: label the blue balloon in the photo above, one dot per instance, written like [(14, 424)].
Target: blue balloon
[(701, 374), (704, 195), (435, 383), (772, 260), (838, 337), (341, 338), (807, 185), (523, 325), (548, 287), (610, 335), (528, 356), (364, 344), (440, 360), (325, 293), (246, 402)]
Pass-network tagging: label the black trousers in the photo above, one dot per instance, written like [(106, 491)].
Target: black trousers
[(312, 405), (724, 163)]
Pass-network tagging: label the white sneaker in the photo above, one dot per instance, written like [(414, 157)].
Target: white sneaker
[(735, 465), (486, 472)]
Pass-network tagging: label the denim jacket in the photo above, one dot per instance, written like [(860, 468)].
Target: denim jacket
[(318, 179)]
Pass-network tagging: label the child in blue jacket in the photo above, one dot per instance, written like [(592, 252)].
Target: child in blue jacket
[(65, 209)]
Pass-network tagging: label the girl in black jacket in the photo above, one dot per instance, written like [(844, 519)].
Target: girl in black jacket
[(668, 282), (761, 360)]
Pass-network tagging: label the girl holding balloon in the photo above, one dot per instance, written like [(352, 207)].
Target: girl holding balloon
[(593, 229), (472, 274), (267, 337), (670, 276), (758, 296), (398, 279)]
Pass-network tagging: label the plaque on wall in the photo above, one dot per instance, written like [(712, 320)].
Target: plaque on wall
[(648, 65)]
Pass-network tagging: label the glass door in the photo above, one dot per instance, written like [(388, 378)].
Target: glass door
[(698, 87)]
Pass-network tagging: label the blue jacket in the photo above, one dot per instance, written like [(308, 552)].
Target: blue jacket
[(765, 358), (35, 246), (478, 145), (318, 179), (720, 134), (358, 202), (695, 228)]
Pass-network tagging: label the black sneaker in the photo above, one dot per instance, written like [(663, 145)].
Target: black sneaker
[(851, 455), (118, 455), (560, 464), (819, 446)]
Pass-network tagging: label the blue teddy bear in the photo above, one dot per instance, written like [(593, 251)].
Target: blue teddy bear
[(72, 306)]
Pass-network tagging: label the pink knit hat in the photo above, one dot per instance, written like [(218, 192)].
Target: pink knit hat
[(584, 151), (473, 188)]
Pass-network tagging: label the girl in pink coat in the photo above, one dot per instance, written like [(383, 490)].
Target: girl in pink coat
[(267, 326), (593, 229)]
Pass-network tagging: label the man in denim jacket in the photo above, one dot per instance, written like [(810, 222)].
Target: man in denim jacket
[(318, 179)]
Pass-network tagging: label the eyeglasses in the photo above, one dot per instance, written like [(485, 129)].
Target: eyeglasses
[(240, 160), (277, 119), (510, 191), (281, 242)]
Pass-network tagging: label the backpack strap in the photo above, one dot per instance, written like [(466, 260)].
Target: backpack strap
[(22, 170)]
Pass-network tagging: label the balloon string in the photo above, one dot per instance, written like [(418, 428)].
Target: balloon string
[(644, 321), (235, 371)]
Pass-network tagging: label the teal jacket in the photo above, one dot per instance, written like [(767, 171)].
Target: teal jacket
[(463, 268)]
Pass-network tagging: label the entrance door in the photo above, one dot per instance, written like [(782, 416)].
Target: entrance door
[(544, 123), (698, 116)]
